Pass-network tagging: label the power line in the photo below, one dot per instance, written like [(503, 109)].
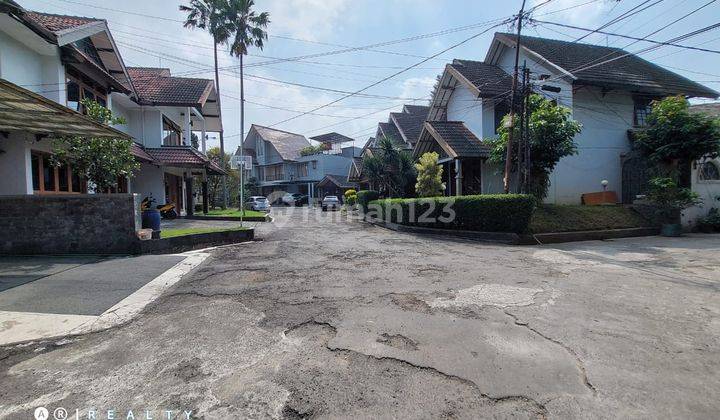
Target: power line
[(392, 75), (635, 10), (543, 22)]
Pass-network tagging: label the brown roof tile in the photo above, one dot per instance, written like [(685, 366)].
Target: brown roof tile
[(287, 144), (155, 86), (57, 23), (459, 138)]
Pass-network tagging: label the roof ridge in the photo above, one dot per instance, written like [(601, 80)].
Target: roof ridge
[(66, 16), (276, 129), (563, 41)]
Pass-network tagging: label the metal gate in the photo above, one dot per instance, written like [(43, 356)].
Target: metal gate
[(634, 177)]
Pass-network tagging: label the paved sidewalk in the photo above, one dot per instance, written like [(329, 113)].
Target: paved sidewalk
[(42, 297)]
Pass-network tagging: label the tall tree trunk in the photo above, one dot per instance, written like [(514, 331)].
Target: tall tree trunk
[(222, 138)]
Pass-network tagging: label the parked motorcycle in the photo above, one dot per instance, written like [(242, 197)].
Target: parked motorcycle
[(167, 210)]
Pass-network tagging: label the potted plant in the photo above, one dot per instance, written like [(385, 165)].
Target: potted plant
[(671, 200)]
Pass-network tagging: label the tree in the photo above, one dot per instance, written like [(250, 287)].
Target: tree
[(248, 29), (101, 161), (390, 170), (550, 136), (675, 136), (195, 140), (211, 15), (215, 187), (429, 176)]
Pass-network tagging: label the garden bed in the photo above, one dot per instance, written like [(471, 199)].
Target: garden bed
[(550, 218)]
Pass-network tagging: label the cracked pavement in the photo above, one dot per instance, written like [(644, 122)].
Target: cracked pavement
[(329, 318)]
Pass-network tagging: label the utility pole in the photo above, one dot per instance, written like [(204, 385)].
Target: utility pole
[(242, 139), (526, 130), (508, 157), (522, 140)]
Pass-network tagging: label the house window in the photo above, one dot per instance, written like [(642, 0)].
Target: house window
[(171, 133), (50, 179), (641, 111), (708, 171), (303, 170), (314, 163), (79, 88)]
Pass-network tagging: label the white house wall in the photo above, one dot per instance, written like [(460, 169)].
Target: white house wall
[(149, 180), (15, 177), (465, 106), (42, 74), (709, 192)]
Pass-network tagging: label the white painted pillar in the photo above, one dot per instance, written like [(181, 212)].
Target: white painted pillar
[(202, 140), (458, 177), (188, 129)]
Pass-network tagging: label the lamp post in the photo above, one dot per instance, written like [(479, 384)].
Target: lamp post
[(604, 184)]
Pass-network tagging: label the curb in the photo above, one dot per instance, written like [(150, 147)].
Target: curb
[(195, 241), (267, 218), (524, 239)]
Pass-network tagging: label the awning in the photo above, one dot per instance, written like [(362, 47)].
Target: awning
[(453, 138), (183, 157), (23, 110)]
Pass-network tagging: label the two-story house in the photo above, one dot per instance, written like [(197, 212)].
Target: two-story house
[(279, 165), (66, 59), (607, 89)]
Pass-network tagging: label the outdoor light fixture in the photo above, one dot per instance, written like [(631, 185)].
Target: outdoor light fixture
[(604, 184)]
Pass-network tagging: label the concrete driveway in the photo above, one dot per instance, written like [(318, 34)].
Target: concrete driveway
[(331, 318), (42, 297)]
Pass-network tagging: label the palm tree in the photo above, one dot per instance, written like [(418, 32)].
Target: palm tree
[(211, 16), (248, 29)]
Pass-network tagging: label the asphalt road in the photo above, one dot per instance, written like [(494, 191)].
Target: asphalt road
[(334, 319)]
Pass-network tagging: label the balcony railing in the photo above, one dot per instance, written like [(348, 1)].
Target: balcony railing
[(274, 177)]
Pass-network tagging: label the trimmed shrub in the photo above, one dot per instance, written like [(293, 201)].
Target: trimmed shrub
[(350, 197), (364, 197), (483, 213)]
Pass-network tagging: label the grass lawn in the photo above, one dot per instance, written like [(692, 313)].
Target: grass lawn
[(568, 218), (171, 233), (234, 213)]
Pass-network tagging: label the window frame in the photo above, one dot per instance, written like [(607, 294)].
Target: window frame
[(43, 162), (84, 86), (701, 178)]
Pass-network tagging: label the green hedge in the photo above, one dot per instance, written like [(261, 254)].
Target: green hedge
[(366, 196), (483, 213)]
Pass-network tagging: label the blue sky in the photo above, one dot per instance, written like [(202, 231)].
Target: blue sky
[(304, 27)]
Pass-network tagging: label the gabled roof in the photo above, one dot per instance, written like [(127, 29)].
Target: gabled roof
[(416, 109), (287, 144), (453, 137), (409, 125), (625, 71), (332, 138), (484, 80), (388, 130), (155, 86), (488, 79), (340, 181)]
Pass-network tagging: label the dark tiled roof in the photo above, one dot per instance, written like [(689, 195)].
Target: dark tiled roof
[(332, 138), (409, 124), (630, 72), (287, 144), (183, 156), (711, 109), (57, 23), (489, 79), (417, 109), (339, 180), (460, 140), (389, 130), (157, 87)]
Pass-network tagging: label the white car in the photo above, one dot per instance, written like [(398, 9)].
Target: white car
[(291, 199), (257, 203), (330, 202)]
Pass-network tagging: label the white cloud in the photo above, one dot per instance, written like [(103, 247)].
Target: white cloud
[(417, 87), (307, 19)]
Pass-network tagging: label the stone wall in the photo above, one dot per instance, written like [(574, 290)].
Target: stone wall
[(69, 224)]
